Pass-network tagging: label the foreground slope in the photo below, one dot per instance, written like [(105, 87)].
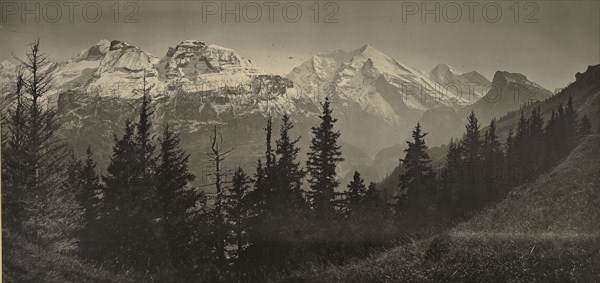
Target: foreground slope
[(545, 231), (563, 202), (25, 261)]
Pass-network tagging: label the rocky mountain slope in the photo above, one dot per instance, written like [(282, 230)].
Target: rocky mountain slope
[(507, 92)]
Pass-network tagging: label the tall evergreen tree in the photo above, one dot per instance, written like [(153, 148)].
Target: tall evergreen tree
[(450, 176), (176, 200), (521, 141), (471, 142), (289, 172), (471, 194), (117, 198), (262, 197), (323, 156), (289, 203), (89, 198), (14, 177), (570, 119), (550, 138), (585, 127), (535, 137), (510, 161), (237, 211), (38, 162), (493, 162), (375, 205), (416, 180), (354, 197), (130, 198)]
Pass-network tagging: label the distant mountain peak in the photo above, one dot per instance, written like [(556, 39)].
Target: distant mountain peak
[(5, 64), (368, 47), (443, 68), (126, 58), (508, 77), (446, 75), (371, 52), (192, 58), (95, 52), (474, 76)]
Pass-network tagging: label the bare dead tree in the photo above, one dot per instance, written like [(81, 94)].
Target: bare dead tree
[(216, 157)]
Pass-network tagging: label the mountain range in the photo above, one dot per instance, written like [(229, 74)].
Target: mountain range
[(195, 86)]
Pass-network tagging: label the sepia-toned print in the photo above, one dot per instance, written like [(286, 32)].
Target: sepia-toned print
[(300, 141)]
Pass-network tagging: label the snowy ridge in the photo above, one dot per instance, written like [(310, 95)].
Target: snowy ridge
[(471, 85), (376, 82)]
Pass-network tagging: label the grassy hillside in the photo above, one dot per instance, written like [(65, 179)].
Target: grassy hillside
[(545, 231), (564, 200), (23, 261)]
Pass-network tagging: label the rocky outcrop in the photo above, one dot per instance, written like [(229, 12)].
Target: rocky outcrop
[(128, 59)]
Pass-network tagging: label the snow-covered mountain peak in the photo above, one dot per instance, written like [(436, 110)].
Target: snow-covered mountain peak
[(470, 86), (444, 68), (5, 64), (125, 58), (94, 52), (193, 58)]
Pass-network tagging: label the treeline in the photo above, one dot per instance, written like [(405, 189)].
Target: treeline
[(145, 215), (480, 169)]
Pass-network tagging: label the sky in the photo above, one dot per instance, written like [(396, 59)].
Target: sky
[(547, 41)]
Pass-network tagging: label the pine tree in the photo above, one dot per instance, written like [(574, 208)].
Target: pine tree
[(258, 197), (492, 161), (115, 195), (323, 156), (89, 198), (535, 137), (14, 178), (289, 172), (450, 177), (510, 160), (176, 200), (38, 162), (585, 127), (550, 138), (237, 211), (130, 199), (289, 203), (570, 120), (471, 194), (471, 142), (416, 180), (521, 141), (375, 206), (262, 197), (355, 196), (566, 129)]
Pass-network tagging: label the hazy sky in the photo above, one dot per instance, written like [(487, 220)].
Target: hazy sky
[(564, 40)]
